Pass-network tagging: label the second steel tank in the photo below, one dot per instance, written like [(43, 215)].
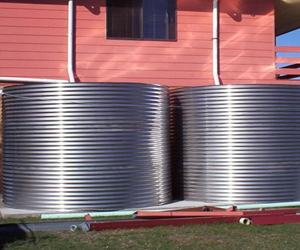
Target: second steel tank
[(237, 143)]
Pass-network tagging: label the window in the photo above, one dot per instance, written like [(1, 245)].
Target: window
[(141, 19)]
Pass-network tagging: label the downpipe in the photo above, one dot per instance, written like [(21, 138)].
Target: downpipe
[(215, 39)]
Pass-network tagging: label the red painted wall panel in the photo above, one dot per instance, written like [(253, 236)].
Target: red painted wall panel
[(33, 39), (33, 43), (247, 46)]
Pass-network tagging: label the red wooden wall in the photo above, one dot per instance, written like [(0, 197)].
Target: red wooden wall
[(247, 46), (33, 39), (33, 43)]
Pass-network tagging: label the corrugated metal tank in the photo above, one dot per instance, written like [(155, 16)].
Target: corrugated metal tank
[(86, 146), (237, 143)]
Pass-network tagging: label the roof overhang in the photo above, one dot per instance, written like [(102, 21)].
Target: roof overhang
[(287, 16)]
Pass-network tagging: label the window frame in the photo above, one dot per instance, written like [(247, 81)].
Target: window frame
[(141, 39)]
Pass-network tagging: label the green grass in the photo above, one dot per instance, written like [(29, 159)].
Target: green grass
[(38, 219), (219, 236)]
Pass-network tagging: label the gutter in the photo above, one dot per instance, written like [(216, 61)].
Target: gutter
[(70, 56), (215, 39), (33, 80)]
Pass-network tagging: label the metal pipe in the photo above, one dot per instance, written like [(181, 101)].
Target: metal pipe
[(31, 80), (71, 41), (92, 214), (216, 42), (266, 205)]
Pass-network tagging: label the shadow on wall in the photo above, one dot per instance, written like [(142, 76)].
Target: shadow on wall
[(234, 8), (92, 5), (287, 15), (177, 150)]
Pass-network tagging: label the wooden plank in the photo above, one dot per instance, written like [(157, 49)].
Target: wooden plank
[(176, 53), (15, 13), (180, 75), (32, 22), (158, 66), (239, 213), (132, 224), (166, 82), (155, 50), (287, 49), (260, 81), (149, 214), (89, 45), (187, 39), (287, 71), (208, 81), (33, 31), (33, 39), (35, 6), (38, 73), (34, 47), (227, 20), (41, 56), (192, 59), (275, 219), (34, 64), (288, 60), (226, 29)]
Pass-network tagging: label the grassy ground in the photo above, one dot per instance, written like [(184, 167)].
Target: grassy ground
[(38, 219), (220, 236)]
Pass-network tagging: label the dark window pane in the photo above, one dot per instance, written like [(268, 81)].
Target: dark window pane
[(155, 19), (124, 18), (145, 19), (148, 18), (172, 19), (161, 19)]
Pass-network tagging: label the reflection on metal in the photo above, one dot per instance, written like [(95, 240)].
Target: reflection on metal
[(85, 146), (238, 143)]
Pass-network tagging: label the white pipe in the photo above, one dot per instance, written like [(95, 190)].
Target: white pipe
[(216, 42), (265, 205), (245, 221), (71, 41), (35, 80)]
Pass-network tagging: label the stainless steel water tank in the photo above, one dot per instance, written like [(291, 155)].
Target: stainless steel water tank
[(237, 143), (85, 146)]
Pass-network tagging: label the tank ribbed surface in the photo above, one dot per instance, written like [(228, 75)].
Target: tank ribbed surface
[(85, 146), (237, 143)]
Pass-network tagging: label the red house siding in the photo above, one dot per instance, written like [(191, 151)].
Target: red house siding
[(33, 43), (246, 46), (33, 39)]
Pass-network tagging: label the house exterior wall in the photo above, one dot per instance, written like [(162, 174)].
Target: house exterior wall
[(33, 39), (33, 43), (246, 46)]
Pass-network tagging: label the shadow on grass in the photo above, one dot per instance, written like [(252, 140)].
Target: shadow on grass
[(11, 233)]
